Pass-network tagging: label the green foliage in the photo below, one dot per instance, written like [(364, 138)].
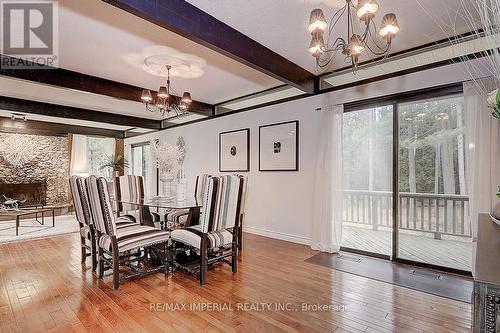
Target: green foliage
[(424, 128), (116, 163)]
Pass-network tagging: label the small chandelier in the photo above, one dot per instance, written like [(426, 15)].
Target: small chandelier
[(354, 44), (166, 100)]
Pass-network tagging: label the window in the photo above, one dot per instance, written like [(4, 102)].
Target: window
[(140, 164), (99, 149), (88, 155)]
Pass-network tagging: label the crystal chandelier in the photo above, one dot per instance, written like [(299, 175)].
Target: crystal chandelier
[(355, 44), (166, 100)]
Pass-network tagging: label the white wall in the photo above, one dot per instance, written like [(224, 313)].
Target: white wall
[(280, 203)]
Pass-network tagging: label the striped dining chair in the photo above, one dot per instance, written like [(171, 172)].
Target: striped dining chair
[(88, 235), (180, 216), (131, 188), (82, 213), (119, 246), (216, 237)]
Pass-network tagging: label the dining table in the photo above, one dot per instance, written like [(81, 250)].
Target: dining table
[(145, 205)]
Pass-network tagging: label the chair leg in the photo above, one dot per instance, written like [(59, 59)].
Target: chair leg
[(240, 235), (203, 260), (94, 252), (116, 264), (100, 262), (165, 259), (84, 250), (234, 257)]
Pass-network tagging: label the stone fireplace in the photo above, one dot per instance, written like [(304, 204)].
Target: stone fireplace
[(44, 171)]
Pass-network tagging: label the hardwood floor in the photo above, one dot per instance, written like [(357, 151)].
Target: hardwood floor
[(43, 287)]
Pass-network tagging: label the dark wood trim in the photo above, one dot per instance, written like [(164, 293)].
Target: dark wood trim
[(64, 78), (258, 106), (434, 267), (365, 253), (251, 95), (412, 49), (402, 72), (8, 125), (395, 181), (188, 21), (247, 130), (407, 96), (297, 143), (62, 111)]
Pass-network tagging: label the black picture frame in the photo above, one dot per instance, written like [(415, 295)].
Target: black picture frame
[(296, 167), (247, 169)]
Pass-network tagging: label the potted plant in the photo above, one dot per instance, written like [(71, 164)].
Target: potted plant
[(494, 102), (166, 156), (115, 163)]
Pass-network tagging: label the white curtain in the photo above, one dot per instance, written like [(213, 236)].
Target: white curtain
[(482, 135), (79, 156), (328, 187)]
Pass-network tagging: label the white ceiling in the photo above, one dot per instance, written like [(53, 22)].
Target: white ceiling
[(54, 95), (281, 25), (98, 39), (75, 122)]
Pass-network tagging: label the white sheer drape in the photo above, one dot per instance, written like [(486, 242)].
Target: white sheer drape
[(482, 135), (79, 156), (88, 154), (328, 187)]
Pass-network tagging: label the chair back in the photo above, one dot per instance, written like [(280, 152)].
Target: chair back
[(243, 194), (80, 200), (128, 188), (100, 203), (221, 203), (200, 187)]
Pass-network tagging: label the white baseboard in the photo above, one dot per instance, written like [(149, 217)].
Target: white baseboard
[(278, 235)]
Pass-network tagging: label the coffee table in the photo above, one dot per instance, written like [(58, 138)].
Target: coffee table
[(18, 213)]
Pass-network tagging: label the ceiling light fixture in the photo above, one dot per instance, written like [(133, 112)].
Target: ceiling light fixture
[(354, 44), (166, 100)]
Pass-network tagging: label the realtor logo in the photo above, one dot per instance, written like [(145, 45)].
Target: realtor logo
[(29, 34)]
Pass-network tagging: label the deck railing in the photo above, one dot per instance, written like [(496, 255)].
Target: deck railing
[(437, 214)]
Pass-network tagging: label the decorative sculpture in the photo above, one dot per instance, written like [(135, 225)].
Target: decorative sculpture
[(18, 149), (11, 203)]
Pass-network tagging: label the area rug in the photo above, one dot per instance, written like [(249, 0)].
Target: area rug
[(30, 229), (417, 278)]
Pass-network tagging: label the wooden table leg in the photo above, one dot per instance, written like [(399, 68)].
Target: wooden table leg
[(17, 225), (53, 218)]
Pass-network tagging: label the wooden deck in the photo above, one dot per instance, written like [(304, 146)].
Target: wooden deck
[(448, 252), (43, 287)]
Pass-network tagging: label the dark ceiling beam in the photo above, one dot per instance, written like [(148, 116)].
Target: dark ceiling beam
[(69, 112), (8, 125), (64, 78), (186, 20)]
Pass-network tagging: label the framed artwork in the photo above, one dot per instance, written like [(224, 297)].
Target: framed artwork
[(234, 151), (279, 147)]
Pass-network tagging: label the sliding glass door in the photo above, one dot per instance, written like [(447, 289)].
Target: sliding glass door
[(368, 165), (433, 205), (405, 193)]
